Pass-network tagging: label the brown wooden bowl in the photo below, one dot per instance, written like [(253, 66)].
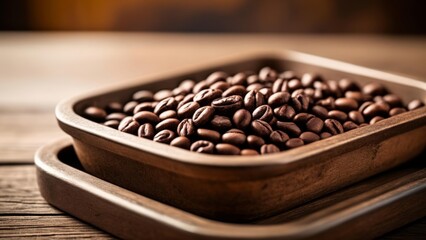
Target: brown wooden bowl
[(245, 188)]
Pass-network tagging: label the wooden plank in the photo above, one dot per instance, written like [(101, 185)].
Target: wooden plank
[(22, 133)]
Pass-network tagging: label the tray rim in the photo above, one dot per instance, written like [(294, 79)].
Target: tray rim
[(70, 121), (47, 162)]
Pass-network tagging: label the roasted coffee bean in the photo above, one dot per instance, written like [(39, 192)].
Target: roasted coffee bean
[(288, 75), (235, 137), (302, 118), (269, 148), (325, 135), (188, 98), (146, 130), (338, 115), (188, 110), (162, 94), (320, 112), (216, 77), (346, 84), (235, 90), (220, 123), (314, 125), (309, 92), (300, 103), (253, 99), (170, 124), (164, 136), (167, 114), (392, 100), (227, 105), (202, 146), (143, 96), (309, 137), (181, 142), (374, 89), (253, 79), (294, 84), (280, 85), (414, 104), (145, 106), (128, 125), (308, 79), (203, 115), (294, 143), (95, 113), (365, 105), (349, 125), (333, 126), (186, 128), (263, 113), (279, 99), (206, 96), (333, 86), (254, 141), (375, 109), (285, 112), (261, 128), (114, 107), (207, 134), (346, 104), (241, 119), (130, 107), (356, 95), (179, 98), (249, 152), (198, 87), (356, 117), (297, 92), (115, 116), (166, 104), (254, 86), (278, 138), (112, 123), (266, 91), (146, 117), (227, 149), (289, 127), (327, 103), (396, 111), (187, 85), (376, 119), (221, 85), (267, 74), (238, 79)]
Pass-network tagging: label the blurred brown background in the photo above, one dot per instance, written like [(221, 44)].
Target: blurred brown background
[(287, 16)]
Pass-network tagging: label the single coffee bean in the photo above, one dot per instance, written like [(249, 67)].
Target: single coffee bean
[(309, 92), (269, 148), (333, 126), (375, 109), (346, 84), (188, 98), (221, 85), (164, 136), (266, 91), (396, 111), (294, 143), (241, 118), (365, 105), (146, 117), (338, 115), (253, 99), (186, 128), (145, 106), (349, 125), (327, 103), (179, 93), (143, 96), (356, 95), (170, 124), (167, 114), (252, 79), (289, 127), (255, 86), (146, 130), (267, 74), (115, 116), (95, 113), (325, 135), (302, 118), (234, 137), (198, 87), (414, 104), (130, 107), (216, 77), (374, 89), (334, 88), (288, 75), (206, 96), (238, 79), (203, 115), (294, 84), (285, 112), (263, 113), (249, 152), (314, 125), (280, 85), (376, 119), (166, 104), (346, 104), (181, 142), (220, 123), (112, 123), (114, 107), (309, 137), (278, 138), (308, 79), (261, 128), (227, 105), (254, 141), (179, 98), (227, 149), (207, 134), (188, 110), (300, 103), (356, 117), (128, 125), (162, 94), (297, 92), (235, 90), (393, 100), (202, 146), (187, 85), (279, 99)]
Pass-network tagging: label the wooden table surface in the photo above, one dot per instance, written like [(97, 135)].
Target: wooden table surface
[(39, 69)]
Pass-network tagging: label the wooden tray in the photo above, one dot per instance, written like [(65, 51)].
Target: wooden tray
[(365, 210), (260, 186)]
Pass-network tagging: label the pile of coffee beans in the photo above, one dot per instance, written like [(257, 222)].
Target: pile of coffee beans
[(251, 113)]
